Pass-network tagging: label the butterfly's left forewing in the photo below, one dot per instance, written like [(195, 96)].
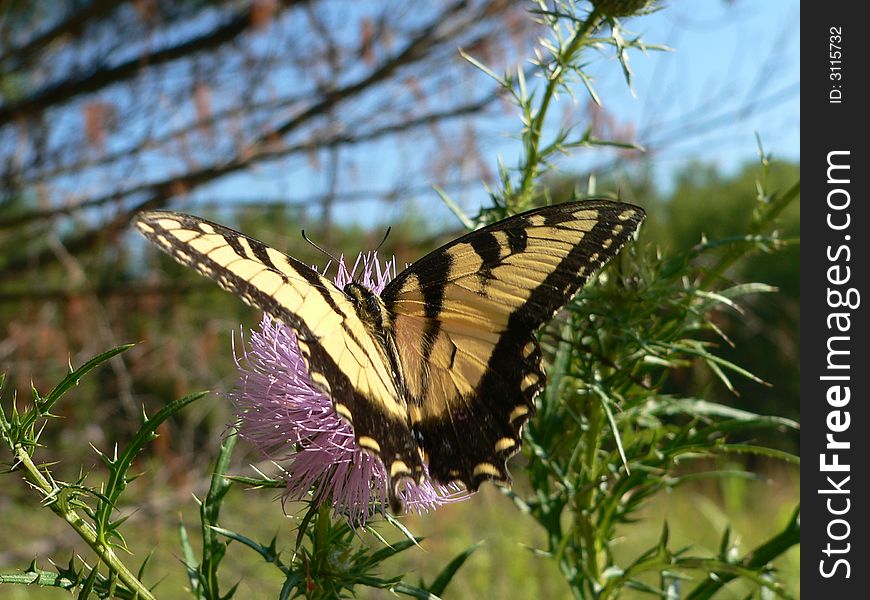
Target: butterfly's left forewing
[(464, 319), (342, 358)]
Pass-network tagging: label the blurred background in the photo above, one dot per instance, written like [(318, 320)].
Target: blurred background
[(339, 117)]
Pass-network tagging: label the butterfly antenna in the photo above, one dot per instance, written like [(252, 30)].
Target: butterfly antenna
[(386, 235), (329, 254)]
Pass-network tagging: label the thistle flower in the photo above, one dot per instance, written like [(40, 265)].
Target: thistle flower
[(291, 421)]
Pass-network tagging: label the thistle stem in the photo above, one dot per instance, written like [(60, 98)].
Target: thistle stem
[(83, 528), (533, 157)]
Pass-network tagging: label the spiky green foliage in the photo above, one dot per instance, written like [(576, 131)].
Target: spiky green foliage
[(607, 438), (88, 509)]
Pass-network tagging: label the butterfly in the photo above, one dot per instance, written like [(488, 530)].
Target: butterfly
[(443, 366)]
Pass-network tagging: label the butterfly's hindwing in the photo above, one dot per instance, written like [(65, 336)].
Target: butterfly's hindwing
[(464, 318), (342, 358)]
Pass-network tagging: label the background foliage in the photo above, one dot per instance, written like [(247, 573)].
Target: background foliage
[(108, 108)]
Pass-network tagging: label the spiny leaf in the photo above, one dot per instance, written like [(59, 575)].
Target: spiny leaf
[(385, 553), (446, 575), (267, 553), (73, 378), (190, 563)]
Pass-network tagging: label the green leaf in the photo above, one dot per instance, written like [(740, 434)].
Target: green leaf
[(267, 553), (292, 582), (667, 405), (42, 406), (385, 553), (302, 529), (446, 575), (257, 482), (614, 428), (758, 451), (190, 563), (88, 585), (482, 67), (119, 466), (454, 208), (213, 549), (35, 576), (73, 378), (410, 590)]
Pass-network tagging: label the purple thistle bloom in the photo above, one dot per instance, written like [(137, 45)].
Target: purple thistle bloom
[(290, 420)]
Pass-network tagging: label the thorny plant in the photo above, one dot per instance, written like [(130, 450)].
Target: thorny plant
[(605, 441)]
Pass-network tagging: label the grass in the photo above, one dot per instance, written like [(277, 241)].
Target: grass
[(507, 565)]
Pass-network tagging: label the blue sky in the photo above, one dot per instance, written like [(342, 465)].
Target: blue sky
[(733, 72), (738, 60)]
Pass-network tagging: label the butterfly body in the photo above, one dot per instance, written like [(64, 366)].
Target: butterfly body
[(372, 312), (443, 367)]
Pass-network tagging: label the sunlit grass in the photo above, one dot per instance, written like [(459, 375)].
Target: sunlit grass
[(505, 566)]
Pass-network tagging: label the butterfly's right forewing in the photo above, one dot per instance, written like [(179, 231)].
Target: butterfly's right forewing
[(464, 319)]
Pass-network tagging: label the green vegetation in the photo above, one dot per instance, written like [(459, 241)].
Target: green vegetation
[(640, 477)]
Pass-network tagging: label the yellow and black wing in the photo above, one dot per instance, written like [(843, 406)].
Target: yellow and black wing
[(464, 317), (343, 358), (451, 372)]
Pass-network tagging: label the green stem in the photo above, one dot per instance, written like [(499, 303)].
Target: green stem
[(84, 529), (320, 547), (321, 532), (536, 125), (582, 501), (772, 212)]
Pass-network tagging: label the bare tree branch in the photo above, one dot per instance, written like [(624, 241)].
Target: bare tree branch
[(157, 194), (101, 76), (258, 152), (20, 57)]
